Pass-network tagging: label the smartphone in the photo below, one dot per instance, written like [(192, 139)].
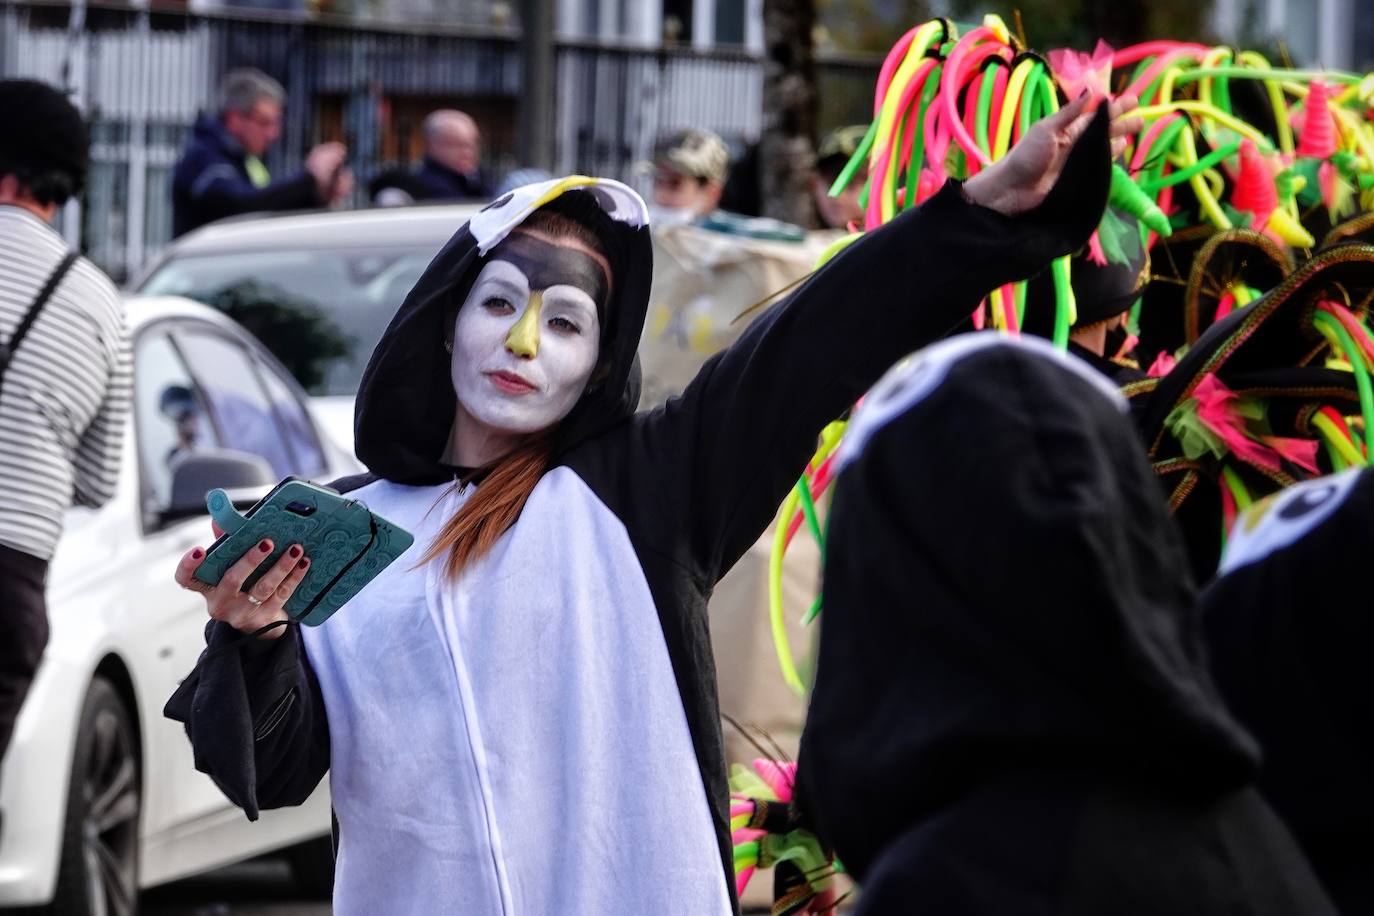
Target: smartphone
[(348, 544)]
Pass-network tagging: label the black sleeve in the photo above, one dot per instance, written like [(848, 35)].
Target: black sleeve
[(255, 717), (221, 191), (703, 474)]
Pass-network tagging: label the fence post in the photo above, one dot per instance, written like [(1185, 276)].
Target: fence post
[(536, 103), (789, 118), (75, 80), (136, 221)]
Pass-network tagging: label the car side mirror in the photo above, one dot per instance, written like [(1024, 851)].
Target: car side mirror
[(244, 475)]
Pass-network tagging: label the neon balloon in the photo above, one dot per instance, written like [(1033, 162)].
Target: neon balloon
[(1319, 137), (1340, 449), (972, 115), (1236, 486), (893, 60), (1212, 159), (1254, 190), (1126, 195), (781, 645), (1127, 56), (1151, 135), (992, 110), (1337, 437), (1339, 339), (1010, 104), (1212, 112), (947, 105), (1140, 88), (852, 166), (950, 85)]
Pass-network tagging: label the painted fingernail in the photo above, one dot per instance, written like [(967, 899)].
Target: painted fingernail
[(302, 564), (197, 554), (265, 546), (295, 551)]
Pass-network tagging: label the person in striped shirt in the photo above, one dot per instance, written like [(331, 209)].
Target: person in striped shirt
[(64, 371)]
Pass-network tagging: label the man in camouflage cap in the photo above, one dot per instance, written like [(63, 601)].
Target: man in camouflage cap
[(689, 169), (832, 156)]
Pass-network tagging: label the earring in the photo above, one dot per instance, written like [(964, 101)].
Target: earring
[(448, 347)]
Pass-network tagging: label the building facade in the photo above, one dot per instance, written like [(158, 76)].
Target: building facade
[(1334, 33)]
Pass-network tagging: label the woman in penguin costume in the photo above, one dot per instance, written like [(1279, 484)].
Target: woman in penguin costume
[(519, 715)]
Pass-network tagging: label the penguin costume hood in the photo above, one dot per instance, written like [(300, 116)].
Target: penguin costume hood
[(1288, 629), (406, 403), (1012, 713)]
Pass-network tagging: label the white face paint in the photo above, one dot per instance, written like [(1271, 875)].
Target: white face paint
[(520, 361)]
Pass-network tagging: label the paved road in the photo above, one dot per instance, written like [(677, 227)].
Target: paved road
[(262, 887)]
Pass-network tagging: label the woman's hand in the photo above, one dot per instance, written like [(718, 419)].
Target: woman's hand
[(264, 603), (1023, 178)]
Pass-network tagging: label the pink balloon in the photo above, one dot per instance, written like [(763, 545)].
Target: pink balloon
[(1135, 53)]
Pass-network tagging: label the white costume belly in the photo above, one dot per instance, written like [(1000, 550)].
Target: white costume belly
[(513, 742)]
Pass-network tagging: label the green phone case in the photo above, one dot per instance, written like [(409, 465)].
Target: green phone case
[(348, 545)]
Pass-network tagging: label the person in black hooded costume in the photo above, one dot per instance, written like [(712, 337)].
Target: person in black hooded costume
[(1012, 714), (1107, 283), (520, 715), (1288, 633)]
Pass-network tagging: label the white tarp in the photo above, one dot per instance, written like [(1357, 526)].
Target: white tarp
[(702, 281)]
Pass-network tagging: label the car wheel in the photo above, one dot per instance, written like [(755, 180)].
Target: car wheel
[(312, 865), (98, 874)]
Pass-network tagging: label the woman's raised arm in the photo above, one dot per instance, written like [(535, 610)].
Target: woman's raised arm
[(720, 458)]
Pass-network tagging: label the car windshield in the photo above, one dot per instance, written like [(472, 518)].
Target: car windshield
[(320, 312)]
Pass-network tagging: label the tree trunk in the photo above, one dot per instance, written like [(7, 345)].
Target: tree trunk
[(786, 150)]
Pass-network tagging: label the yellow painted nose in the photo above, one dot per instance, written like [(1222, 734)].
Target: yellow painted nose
[(523, 339)]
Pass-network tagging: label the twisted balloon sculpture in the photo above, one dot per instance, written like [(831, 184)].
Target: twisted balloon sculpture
[(947, 105)]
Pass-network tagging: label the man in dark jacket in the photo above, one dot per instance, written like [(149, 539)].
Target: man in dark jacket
[(453, 157), (221, 172), (1012, 715)]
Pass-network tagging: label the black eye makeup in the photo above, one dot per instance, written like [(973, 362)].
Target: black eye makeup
[(546, 264), (561, 310)]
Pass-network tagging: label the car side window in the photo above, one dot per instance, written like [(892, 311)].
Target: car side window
[(291, 413), (170, 416), (239, 402)]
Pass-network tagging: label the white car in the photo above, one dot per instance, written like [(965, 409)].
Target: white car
[(318, 288), (98, 792)]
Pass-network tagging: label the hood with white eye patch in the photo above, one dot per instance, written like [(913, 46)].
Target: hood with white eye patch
[(405, 404)]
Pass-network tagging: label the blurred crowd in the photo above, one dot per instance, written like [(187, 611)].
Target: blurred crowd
[(221, 171)]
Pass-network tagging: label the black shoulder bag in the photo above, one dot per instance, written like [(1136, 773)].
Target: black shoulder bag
[(7, 349)]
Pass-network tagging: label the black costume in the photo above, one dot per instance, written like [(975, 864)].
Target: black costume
[(1011, 713), (211, 181), (443, 183), (1288, 634)]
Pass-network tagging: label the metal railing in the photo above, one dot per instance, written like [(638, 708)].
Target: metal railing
[(143, 77)]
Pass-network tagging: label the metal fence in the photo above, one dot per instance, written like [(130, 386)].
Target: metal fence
[(143, 76)]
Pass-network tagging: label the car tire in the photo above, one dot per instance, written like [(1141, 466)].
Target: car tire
[(312, 865), (98, 873)]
